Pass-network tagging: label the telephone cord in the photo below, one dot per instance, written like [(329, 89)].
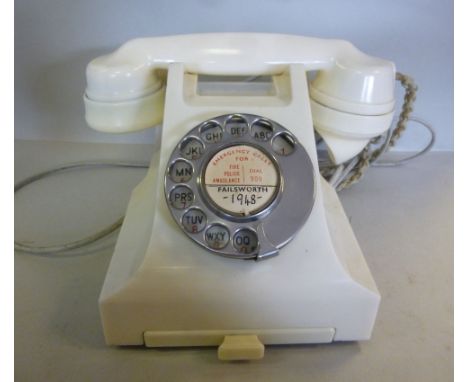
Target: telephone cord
[(66, 247), (354, 170)]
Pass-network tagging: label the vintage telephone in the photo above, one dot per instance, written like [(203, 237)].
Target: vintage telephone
[(236, 180)]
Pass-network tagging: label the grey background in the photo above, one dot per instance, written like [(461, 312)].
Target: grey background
[(54, 40)]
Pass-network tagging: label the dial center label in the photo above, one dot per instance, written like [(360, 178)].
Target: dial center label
[(241, 179)]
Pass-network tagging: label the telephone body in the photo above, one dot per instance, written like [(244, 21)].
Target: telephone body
[(166, 284)]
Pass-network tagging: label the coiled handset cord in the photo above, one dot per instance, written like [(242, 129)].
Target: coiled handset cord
[(340, 177), (345, 175)]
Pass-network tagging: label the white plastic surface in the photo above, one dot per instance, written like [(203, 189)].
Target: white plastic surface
[(348, 80), (182, 338), (346, 134), (160, 281), (340, 149), (125, 116), (241, 348)]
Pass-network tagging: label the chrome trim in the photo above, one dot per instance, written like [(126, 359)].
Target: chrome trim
[(277, 222)]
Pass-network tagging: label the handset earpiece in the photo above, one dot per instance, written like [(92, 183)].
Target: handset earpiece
[(352, 102), (112, 106), (125, 116)]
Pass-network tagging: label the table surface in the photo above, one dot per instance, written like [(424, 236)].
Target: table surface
[(402, 217)]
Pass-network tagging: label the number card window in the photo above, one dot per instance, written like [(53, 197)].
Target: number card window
[(241, 180)]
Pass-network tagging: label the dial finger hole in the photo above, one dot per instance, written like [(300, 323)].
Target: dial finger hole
[(283, 144), (181, 197), (191, 148), (237, 126), (262, 130), (245, 241), (181, 171), (211, 132), (194, 220), (217, 236)]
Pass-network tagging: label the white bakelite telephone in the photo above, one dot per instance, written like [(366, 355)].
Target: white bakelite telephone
[(236, 179)]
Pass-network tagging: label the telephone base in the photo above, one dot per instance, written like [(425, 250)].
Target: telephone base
[(161, 289)]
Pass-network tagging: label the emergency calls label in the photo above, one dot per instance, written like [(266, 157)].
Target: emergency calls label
[(241, 180)]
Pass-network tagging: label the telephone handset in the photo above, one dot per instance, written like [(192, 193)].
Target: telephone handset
[(352, 96), (238, 174)]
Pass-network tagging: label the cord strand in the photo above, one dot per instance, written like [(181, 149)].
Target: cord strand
[(66, 247)]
